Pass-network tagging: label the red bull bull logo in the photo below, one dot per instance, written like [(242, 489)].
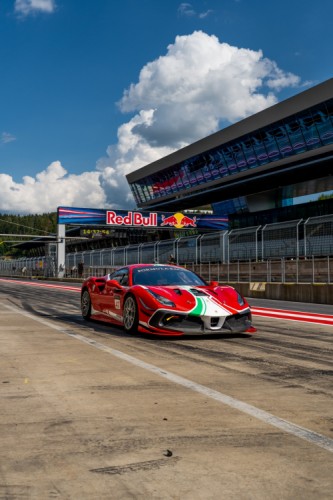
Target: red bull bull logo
[(179, 221)]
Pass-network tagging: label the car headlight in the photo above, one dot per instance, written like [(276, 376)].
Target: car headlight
[(240, 299), (161, 299)]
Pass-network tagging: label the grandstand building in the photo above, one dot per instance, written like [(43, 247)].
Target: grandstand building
[(263, 169)]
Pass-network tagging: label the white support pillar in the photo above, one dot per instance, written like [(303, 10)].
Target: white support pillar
[(61, 250)]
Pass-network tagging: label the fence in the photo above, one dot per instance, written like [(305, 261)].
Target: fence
[(260, 253)]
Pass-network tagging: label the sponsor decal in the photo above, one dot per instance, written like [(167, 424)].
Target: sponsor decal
[(157, 267), (131, 219), (179, 220)]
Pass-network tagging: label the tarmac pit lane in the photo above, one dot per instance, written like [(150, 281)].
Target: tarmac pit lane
[(97, 416)]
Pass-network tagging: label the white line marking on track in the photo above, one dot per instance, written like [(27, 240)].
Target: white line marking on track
[(268, 418)]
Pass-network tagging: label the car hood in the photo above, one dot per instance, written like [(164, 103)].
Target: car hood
[(210, 301)]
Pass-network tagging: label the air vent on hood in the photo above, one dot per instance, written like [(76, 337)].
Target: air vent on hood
[(198, 293)]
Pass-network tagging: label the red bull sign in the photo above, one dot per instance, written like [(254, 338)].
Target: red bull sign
[(131, 219), (178, 220), (125, 218), (150, 219)]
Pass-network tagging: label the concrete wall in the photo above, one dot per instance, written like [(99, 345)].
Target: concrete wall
[(254, 283), (316, 293)]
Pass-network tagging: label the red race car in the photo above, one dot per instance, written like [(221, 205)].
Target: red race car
[(165, 300)]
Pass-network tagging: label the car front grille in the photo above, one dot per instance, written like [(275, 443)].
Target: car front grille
[(167, 320)]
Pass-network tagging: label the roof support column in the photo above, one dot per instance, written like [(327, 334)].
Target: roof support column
[(61, 250)]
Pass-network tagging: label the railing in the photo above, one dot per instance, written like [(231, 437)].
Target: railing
[(294, 251), (312, 270)]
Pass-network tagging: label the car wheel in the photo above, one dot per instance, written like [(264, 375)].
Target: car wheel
[(130, 314), (85, 305)]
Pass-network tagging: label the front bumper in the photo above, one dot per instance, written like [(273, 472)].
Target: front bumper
[(197, 325)]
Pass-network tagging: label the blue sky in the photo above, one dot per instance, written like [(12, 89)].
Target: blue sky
[(93, 89)]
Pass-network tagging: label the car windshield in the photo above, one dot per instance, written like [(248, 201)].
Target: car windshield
[(165, 276)]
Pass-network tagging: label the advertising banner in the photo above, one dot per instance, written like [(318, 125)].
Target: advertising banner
[(138, 219)]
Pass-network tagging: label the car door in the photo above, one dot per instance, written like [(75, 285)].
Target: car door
[(113, 296)]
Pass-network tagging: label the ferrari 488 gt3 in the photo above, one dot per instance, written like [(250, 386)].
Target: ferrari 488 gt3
[(165, 300)]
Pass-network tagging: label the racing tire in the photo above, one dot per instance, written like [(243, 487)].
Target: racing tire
[(130, 315), (86, 305)]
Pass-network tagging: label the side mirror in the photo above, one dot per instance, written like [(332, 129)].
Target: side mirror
[(214, 284), (114, 284)]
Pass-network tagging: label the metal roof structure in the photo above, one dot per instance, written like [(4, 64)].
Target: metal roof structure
[(313, 164)]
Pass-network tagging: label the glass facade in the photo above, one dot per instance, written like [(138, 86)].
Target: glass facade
[(233, 206), (305, 131), (287, 196)]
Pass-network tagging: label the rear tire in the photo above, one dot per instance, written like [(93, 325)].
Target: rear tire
[(86, 305), (130, 315)]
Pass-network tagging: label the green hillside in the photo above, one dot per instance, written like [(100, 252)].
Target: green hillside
[(42, 224)]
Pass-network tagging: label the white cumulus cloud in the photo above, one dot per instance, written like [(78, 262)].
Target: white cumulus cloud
[(197, 87), (49, 189), (6, 137), (187, 10), (27, 7)]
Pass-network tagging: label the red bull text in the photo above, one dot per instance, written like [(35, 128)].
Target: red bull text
[(131, 219), (149, 219)]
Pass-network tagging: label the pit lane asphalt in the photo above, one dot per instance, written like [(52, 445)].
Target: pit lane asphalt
[(78, 421)]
